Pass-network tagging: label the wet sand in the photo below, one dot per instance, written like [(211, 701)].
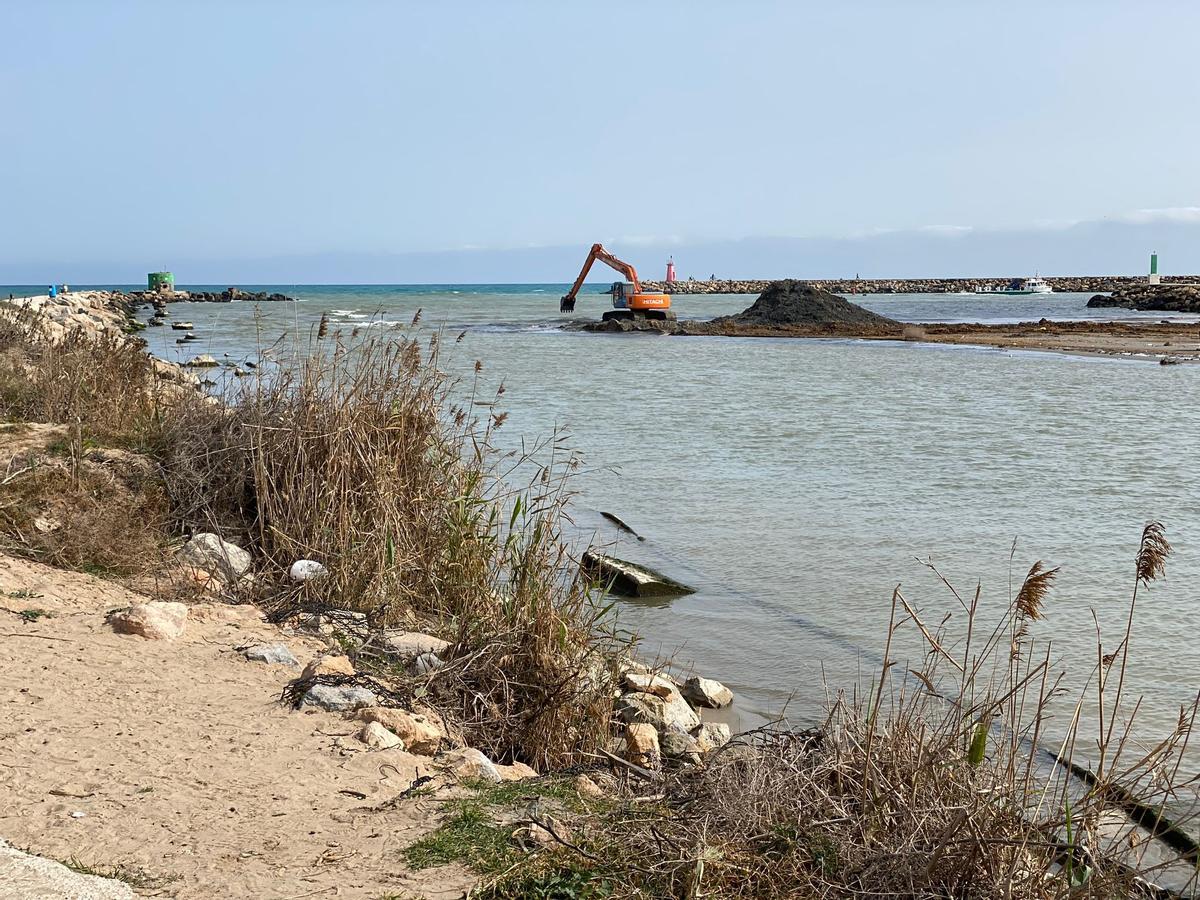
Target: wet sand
[(1180, 341)]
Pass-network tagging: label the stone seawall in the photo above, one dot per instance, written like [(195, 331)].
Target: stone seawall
[(1066, 283)]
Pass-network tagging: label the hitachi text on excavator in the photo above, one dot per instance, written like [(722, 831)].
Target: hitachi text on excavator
[(628, 299)]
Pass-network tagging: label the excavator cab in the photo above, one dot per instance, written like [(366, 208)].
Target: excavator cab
[(621, 292)]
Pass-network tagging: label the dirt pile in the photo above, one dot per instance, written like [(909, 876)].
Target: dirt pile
[(792, 302)]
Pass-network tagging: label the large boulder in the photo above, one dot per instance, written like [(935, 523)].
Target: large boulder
[(157, 621), (648, 683), (420, 733), (339, 698), (706, 693), (328, 664), (627, 579), (711, 736), (377, 737), (411, 644), (469, 763), (641, 746), (209, 552), (664, 713), (277, 654)]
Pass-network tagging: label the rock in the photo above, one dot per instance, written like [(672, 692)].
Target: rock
[(641, 746), (587, 789), (158, 621), (1164, 297), (328, 664), (706, 693), (420, 734), (411, 644), (518, 771), (679, 745), (203, 361), (711, 736), (469, 763), (182, 326), (210, 552), (665, 714), (307, 570), (377, 737), (277, 654), (630, 579), (659, 685), (427, 662), (339, 697)]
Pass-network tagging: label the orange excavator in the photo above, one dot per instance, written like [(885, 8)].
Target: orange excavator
[(628, 299)]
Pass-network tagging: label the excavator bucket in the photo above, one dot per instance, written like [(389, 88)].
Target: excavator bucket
[(567, 304)]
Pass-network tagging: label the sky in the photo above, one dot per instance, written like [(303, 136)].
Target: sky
[(381, 141)]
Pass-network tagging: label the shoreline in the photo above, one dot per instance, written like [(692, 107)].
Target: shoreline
[(1079, 284), (1177, 340)]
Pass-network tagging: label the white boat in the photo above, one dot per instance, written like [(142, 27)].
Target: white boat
[(1034, 285)]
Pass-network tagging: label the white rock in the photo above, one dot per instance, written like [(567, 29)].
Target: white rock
[(660, 685), (157, 621), (665, 714), (210, 552), (469, 763), (307, 570), (707, 693), (377, 737), (203, 361), (411, 644), (427, 662), (711, 736), (339, 697), (271, 653)]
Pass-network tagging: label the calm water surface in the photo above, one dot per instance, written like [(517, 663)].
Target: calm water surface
[(795, 483)]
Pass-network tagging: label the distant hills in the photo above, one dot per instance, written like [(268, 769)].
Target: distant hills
[(1092, 248)]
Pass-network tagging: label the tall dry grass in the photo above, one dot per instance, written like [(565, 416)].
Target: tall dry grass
[(363, 455), (964, 776), (104, 384)]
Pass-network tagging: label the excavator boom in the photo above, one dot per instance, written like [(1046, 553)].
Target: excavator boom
[(567, 304)]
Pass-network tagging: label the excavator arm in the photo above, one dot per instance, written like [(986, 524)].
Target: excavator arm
[(567, 304)]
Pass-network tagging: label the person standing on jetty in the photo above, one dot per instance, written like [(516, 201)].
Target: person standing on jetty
[(52, 292)]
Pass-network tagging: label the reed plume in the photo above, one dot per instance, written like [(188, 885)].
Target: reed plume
[(1033, 591), (1152, 553)]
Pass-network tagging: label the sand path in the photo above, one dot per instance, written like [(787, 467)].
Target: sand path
[(182, 761)]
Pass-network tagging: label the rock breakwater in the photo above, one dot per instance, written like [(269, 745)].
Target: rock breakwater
[(1160, 297), (1064, 283), (229, 295)]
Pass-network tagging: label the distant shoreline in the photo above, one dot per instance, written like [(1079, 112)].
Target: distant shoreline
[(1086, 284)]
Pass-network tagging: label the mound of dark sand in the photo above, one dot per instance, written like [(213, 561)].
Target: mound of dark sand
[(792, 302)]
